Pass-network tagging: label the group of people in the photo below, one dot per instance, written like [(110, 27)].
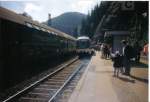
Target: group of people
[(122, 62), (105, 49)]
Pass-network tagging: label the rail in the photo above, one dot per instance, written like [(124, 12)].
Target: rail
[(66, 82), (11, 98)]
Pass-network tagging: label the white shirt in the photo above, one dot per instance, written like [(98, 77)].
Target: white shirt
[(123, 50)]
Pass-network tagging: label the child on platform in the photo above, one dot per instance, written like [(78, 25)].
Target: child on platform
[(117, 59)]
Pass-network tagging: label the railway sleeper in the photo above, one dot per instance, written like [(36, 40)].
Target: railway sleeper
[(34, 95), (56, 82), (63, 76), (53, 87), (69, 69), (44, 91), (26, 99), (53, 80), (53, 84), (58, 78), (65, 72)]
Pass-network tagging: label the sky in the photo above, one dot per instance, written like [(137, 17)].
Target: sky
[(39, 9)]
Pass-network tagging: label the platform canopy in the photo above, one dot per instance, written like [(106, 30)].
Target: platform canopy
[(109, 33)]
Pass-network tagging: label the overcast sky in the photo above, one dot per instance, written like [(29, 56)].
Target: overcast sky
[(39, 9)]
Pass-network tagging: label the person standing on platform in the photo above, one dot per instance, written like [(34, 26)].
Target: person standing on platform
[(102, 50), (117, 59), (126, 57)]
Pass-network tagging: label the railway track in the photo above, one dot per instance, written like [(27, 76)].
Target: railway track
[(47, 88)]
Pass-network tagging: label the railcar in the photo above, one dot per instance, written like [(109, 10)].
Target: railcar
[(28, 47), (84, 46)]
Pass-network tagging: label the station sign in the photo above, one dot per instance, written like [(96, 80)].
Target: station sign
[(128, 5)]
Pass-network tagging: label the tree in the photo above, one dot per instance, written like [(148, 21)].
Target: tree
[(90, 24)]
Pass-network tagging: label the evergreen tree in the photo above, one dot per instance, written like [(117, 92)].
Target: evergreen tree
[(90, 24), (135, 21)]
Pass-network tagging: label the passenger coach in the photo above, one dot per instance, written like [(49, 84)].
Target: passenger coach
[(28, 47)]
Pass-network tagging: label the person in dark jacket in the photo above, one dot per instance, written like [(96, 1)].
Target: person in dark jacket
[(127, 53), (117, 59)]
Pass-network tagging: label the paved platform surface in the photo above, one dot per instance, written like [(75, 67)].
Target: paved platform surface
[(98, 84)]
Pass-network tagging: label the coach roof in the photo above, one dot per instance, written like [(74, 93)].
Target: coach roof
[(18, 18)]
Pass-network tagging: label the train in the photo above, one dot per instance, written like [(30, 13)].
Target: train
[(28, 47), (84, 46)]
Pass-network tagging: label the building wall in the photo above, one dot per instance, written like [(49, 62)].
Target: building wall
[(117, 45)]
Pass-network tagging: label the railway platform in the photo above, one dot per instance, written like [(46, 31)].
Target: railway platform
[(99, 85)]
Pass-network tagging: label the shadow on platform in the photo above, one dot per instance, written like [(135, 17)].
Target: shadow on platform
[(126, 79), (139, 79), (139, 65)]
